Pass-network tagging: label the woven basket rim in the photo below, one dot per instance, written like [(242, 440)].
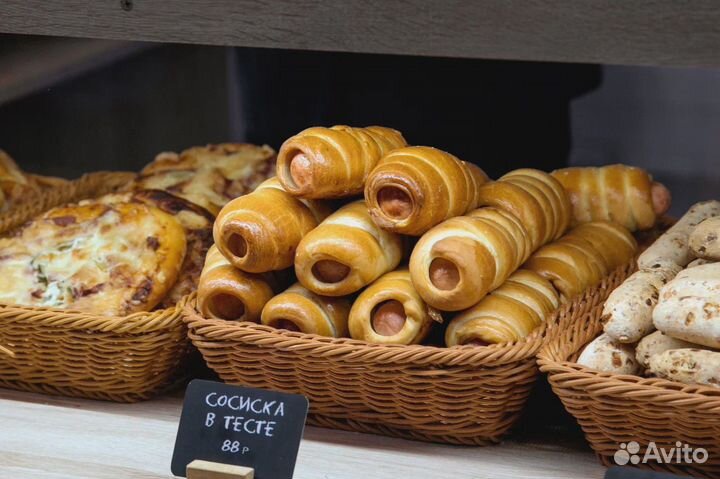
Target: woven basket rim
[(502, 353)]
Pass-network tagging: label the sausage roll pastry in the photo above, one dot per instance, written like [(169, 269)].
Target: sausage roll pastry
[(459, 261), (346, 252), (103, 259), (414, 188), (620, 193), (533, 197), (297, 309), (225, 292), (509, 313), (333, 162), (260, 231), (574, 262), (390, 311)]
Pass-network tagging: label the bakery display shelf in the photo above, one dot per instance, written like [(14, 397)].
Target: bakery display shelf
[(654, 32), (51, 437)]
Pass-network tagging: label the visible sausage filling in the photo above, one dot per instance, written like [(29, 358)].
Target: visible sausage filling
[(301, 170), (388, 318), (330, 271), (237, 245), (661, 198), (444, 274), (226, 306), (394, 202), (287, 324)]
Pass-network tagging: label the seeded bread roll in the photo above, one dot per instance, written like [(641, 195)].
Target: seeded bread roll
[(346, 252), (689, 306), (333, 162), (628, 311), (413, 189), (225, 292), (656, 343), (705, 239), (390, 311), (620, 193), (689, 366), (605, 354), (673, 245), (297, 309), (509, 313), (260, 231)]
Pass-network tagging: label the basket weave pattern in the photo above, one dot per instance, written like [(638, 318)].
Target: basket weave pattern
[(83, 355), (461, 395), (613, 409)]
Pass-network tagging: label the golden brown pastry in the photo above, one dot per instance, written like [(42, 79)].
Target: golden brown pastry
[(225, 292), (260, 231), (459, 261), (297, 309), (390, 311), (16, 185), (333, 162), (195, 220), (413, 189), (346, 252), (102, 259), (620, 193), (211, 175), (535, 198), (509, 313), (581, 258)]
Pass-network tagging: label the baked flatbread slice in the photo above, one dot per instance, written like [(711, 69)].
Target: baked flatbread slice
[(104, 259), (211, 175), (195, 220)]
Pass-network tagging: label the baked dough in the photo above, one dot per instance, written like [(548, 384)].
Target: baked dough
[(103, 259), (211, 175)]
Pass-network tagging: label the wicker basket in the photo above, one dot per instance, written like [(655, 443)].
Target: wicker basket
[(460, 395), (615, 409), (78, 354)]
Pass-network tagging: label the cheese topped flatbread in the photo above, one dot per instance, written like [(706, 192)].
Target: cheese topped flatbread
[(211, 175), (104, 259)]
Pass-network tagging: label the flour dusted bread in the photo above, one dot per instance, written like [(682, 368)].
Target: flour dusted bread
[(260, 231), (333, 162), (705, 239), (509, 313), (104, 259), (689, 365), (656, 343), (227, 293), (606, 354), (390, 311), (346, 252), (297, 309), (414, 188), (624, 194), (211, 175), (195, 220)]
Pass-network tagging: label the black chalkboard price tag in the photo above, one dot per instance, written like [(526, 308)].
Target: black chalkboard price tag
[(617, 472), (240, 426)]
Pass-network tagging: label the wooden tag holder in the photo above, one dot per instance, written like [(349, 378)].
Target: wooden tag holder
[(215, 470)]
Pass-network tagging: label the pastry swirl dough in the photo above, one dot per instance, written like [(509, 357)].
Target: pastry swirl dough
[(346, 252), (460, 260), (390, 311), (298, 309), (227, 293), (509, 313), (620, 193), (259, 232), (333, 162), (414, 188)]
